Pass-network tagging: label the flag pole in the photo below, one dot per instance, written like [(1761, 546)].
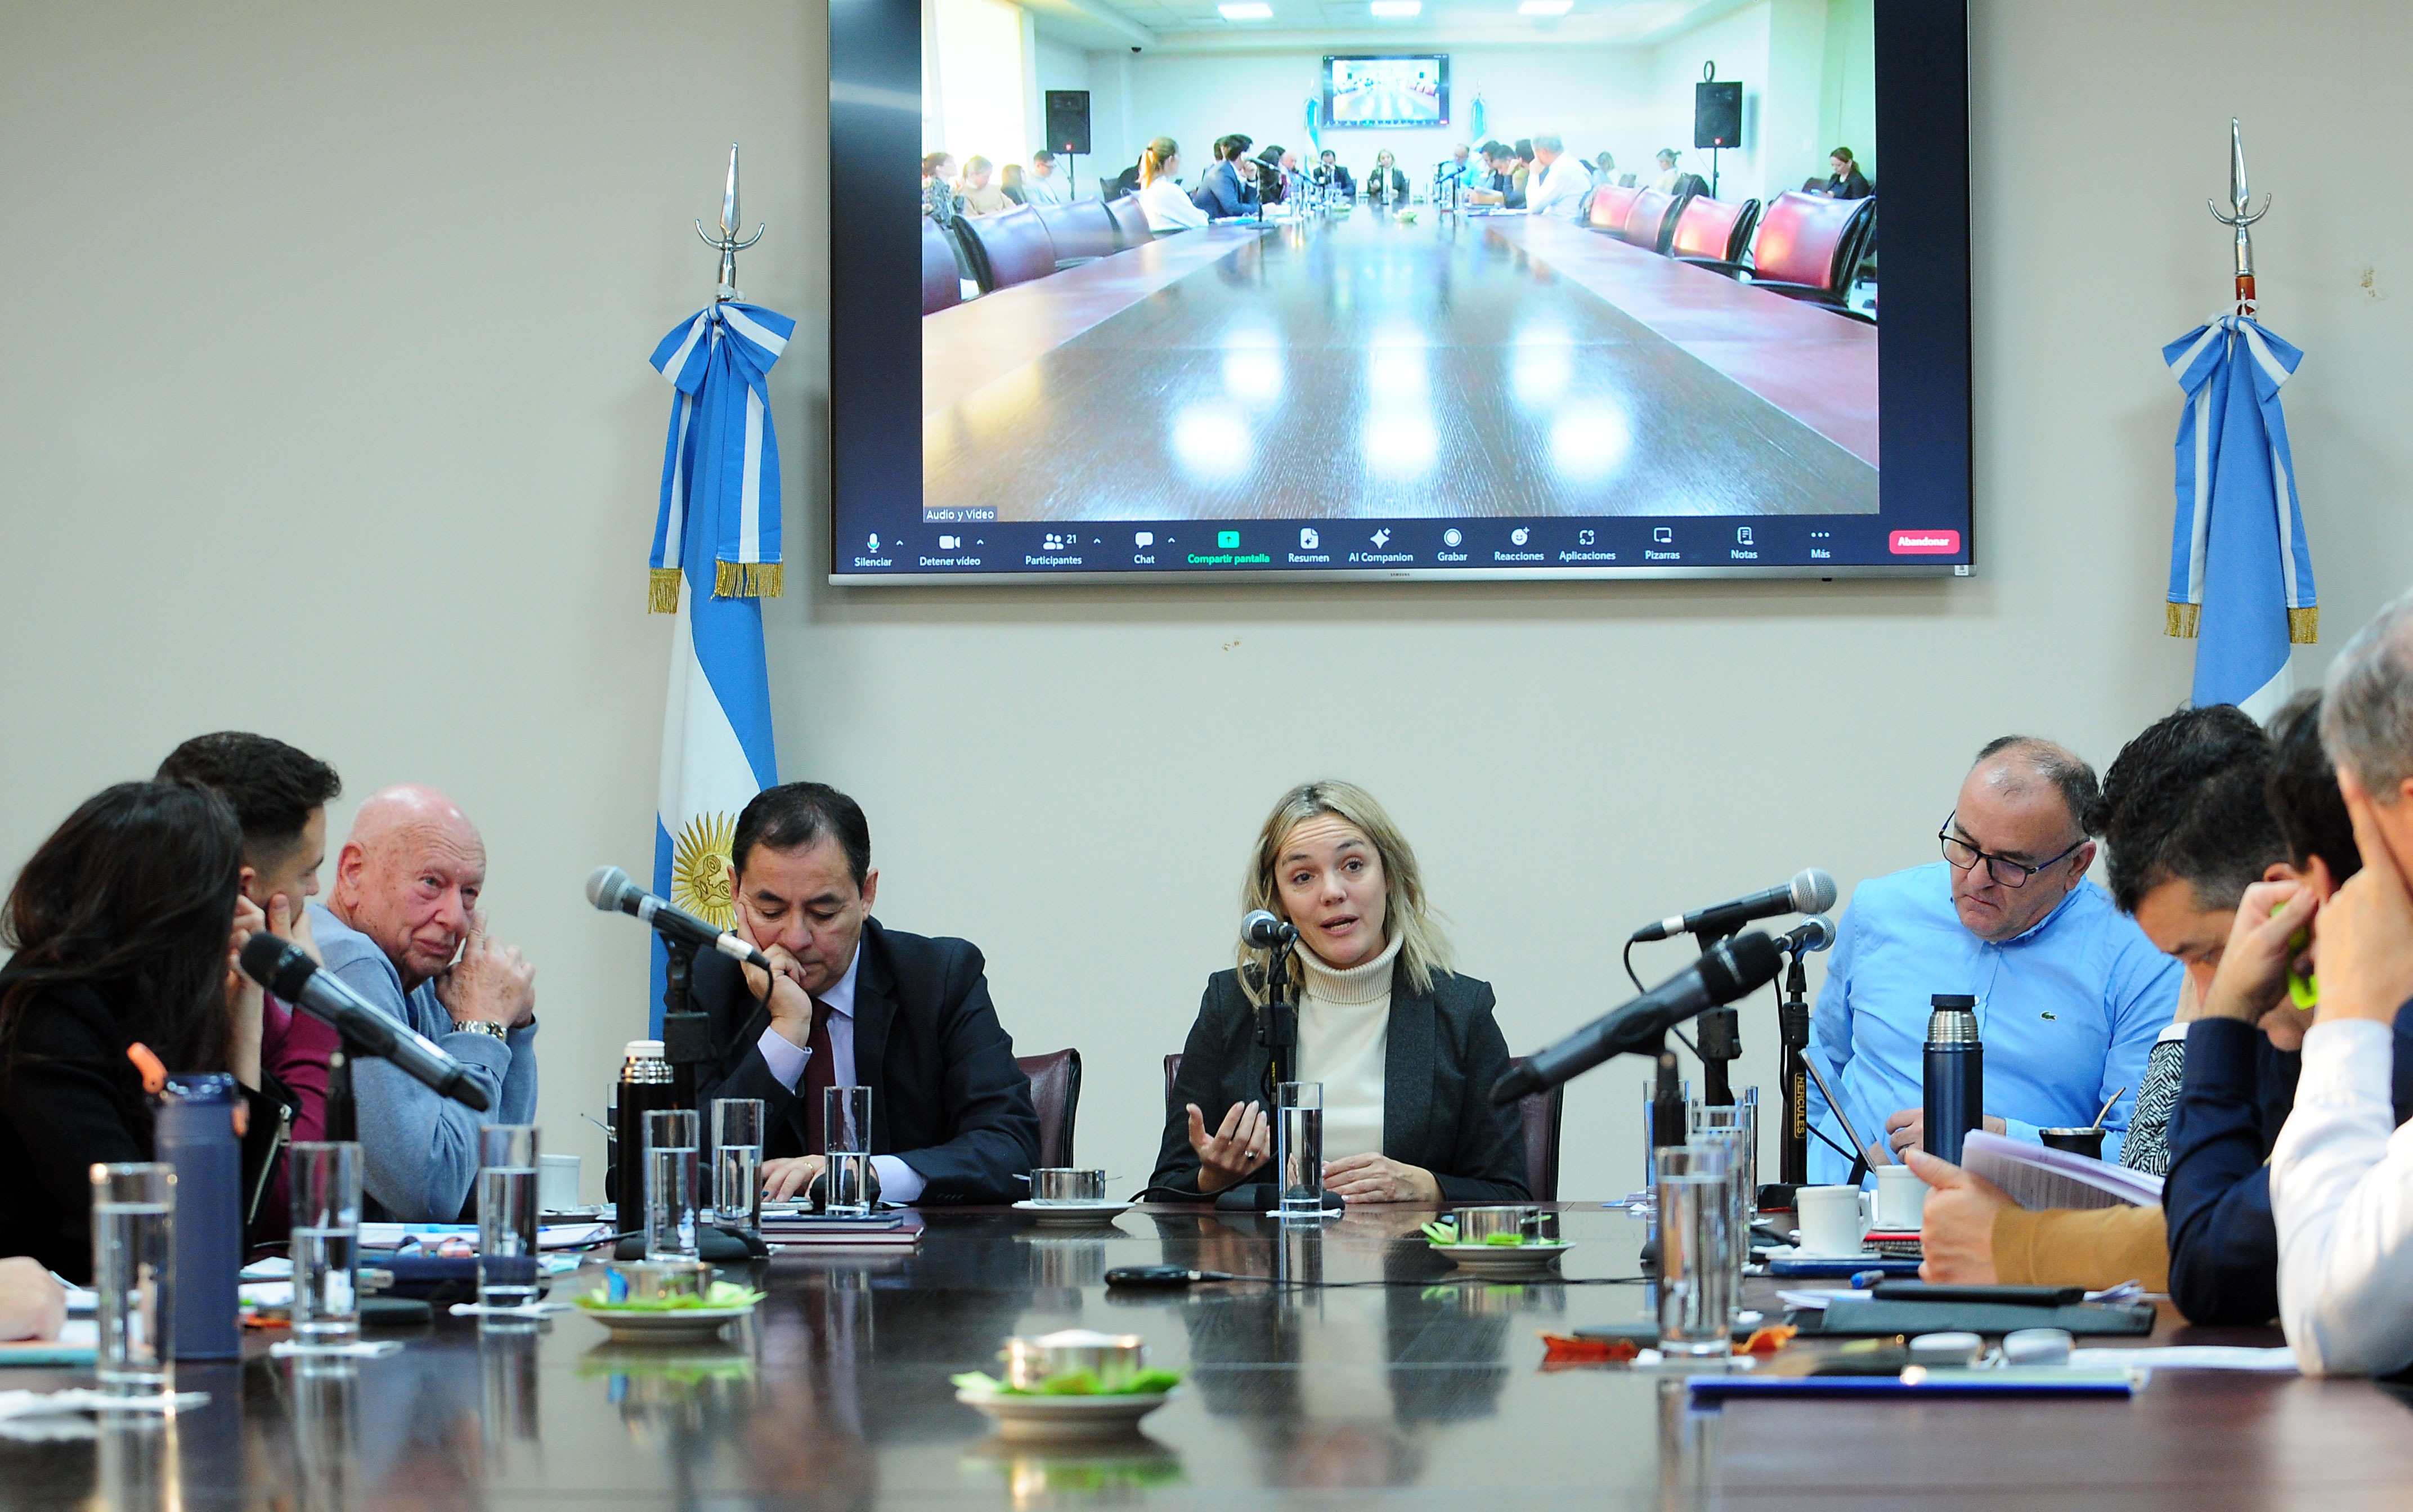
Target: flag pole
[(727, 244), (2239, 216)]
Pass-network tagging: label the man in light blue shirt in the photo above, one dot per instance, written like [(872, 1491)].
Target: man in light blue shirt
[(2071, 993)]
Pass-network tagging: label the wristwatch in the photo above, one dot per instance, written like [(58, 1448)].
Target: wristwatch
[(479, 1026)]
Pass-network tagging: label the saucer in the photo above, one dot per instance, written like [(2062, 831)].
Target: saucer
[(1030, 1418), (1504, 1259), (1086, 1214)]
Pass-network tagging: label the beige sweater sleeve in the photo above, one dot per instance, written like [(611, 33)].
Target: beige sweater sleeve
[(2095, 1247)]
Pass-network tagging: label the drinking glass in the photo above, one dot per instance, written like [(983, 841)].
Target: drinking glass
[(133, 1270), (509, 1266), (845, 1145), (671, 1181), (1299, 1147), (1650, 1126), (1695, 1269), (326, 1180), (1718, 1127), (738, 1160)]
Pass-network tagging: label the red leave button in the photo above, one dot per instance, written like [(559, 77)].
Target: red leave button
[(1925, 542)]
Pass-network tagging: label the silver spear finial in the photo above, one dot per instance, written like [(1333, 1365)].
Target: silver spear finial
[(727, 244), (2240, 215)]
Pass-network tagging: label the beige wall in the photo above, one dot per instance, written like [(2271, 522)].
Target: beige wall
[(327, 415)]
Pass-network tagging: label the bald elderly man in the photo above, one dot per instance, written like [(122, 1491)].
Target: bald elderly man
[(2071, 993), (403, 929)]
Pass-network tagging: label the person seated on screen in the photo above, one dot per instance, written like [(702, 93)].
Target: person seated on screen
[(1385, 185), (1406, 1050), (1499, 185), (850, 1003), (1603, 169), (1843, 180), (1010, 183), (1670, 177), (2183, 817), (1465, 167), (1228, 188), (1041, 184), (1331, 175), (125, 924), (1565, 184), (1272, 187), (1521, 154), (1161, 197), (977, 190), (33, 1304), (938, 186), (2071, 993)]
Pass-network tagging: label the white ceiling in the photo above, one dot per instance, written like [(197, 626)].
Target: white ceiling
[(1195, 26)]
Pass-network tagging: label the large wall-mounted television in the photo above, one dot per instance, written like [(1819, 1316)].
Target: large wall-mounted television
[(1412, 91), (1685, 381)]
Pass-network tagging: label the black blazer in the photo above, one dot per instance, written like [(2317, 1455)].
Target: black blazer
[(1386, 186), (1444, 1051), (947, 1097), (69, 1098)]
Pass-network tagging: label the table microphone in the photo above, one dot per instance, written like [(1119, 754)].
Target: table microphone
[(1262, 929), (609, 889), (1812, 892), (1728, 969), (286, 970)]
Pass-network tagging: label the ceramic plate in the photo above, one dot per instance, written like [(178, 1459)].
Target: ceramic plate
[(1087, 1214), (1025, 1419), (1503, 1259), (636, 1327)]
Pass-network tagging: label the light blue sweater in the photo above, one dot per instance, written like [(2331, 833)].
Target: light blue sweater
[(418, 1150)]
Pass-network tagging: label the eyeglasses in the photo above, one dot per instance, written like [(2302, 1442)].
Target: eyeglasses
[(2008, 873)]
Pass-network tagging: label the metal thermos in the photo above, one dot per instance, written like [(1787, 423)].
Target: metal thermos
[(644, 1088), (1956, 1076), (194, 1133)]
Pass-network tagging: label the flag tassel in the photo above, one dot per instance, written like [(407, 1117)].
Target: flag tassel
[(747, 580), (2304, 625), (662, 590), (2180, 619)]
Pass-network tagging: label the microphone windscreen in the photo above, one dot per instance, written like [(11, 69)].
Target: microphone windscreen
[(278, 965), (1813, 891), (604, 887), (1741, 965), (1260, 927), (1820, 933)]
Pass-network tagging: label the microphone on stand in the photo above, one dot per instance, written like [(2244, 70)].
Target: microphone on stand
[(609, 889), (1802, 938), (1812, 892), (286, 970), (1265, 932), (1727, 971)]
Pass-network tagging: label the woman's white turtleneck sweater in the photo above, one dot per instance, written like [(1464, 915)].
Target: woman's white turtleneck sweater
[(1344, 1024)]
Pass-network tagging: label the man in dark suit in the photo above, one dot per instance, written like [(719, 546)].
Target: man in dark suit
[(1223, 190), (850, 1003), (1329, 172)]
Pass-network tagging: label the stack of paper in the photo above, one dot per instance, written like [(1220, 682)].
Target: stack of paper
[(818, 1231), (2037, 1177)]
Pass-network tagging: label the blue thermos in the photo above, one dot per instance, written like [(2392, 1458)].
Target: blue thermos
[(195, 1135), (1955, 1088)]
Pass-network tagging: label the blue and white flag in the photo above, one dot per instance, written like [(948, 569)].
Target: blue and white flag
[(2241, 572), (716, 556)]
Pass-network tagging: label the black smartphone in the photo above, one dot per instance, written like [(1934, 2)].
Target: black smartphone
[(1920, 1291), (1165, 1277)]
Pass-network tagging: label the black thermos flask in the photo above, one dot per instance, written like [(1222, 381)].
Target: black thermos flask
[(1956, 1076), (644, 1087)]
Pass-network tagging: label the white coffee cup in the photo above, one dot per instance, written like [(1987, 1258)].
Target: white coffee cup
[(1830, 1219), (556, 1183), (1902, 1199)]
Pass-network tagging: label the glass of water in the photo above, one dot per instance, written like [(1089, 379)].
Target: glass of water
[(1299, 1147), (133, 1270), (1695, 1267), (845, 1145), (1731, 1129), (737, 1162), (509, 1266), (672, 1175), (326, 1180)]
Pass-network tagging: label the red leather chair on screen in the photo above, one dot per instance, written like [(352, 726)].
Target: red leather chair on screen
[(942, 284), (1651, 220), (1809, 247), (1714, 232), (1609, 204), (1010, 247), (1081, 230), (1130, 221)]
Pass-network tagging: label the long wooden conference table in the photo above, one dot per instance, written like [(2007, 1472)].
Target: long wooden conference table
[(1373, 365), (1375, 1374)]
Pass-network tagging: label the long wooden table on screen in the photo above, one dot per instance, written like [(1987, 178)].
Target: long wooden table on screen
[(1365, 366), (1372, 1374)]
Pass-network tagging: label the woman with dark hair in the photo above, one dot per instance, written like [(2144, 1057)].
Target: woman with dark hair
[(125, 923), (1844, 180)]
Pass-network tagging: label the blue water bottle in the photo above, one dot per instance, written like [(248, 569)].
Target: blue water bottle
[(1955, 1082), (195, 1135)]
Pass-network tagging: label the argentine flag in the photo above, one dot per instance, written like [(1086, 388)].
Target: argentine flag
[(716, 556), (2241, 572)]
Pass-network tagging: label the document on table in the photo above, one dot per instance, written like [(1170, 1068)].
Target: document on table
[(2037, 1176)]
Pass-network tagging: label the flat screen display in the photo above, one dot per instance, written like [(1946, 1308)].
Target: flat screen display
[(1337, 355), (1387, 91)]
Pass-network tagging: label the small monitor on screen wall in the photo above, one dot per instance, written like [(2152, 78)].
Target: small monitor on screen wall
[(1387, 90)]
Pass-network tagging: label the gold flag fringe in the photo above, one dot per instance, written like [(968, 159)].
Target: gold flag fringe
[(2304, 626), (2180, 620), (662, 590), (747, 580)]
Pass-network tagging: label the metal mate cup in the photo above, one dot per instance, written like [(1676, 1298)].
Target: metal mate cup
[(649, 1280), (1476, 1226), (1066, 1183), (1112, 1359)]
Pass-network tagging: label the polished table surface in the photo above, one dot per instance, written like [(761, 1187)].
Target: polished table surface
[(1391, 1381), (1373, 367)]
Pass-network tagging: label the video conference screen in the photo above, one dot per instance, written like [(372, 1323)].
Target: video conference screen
[(1191, 312), (1387, 91)]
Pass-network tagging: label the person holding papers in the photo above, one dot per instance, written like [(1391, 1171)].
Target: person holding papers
[(2071, 993)]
